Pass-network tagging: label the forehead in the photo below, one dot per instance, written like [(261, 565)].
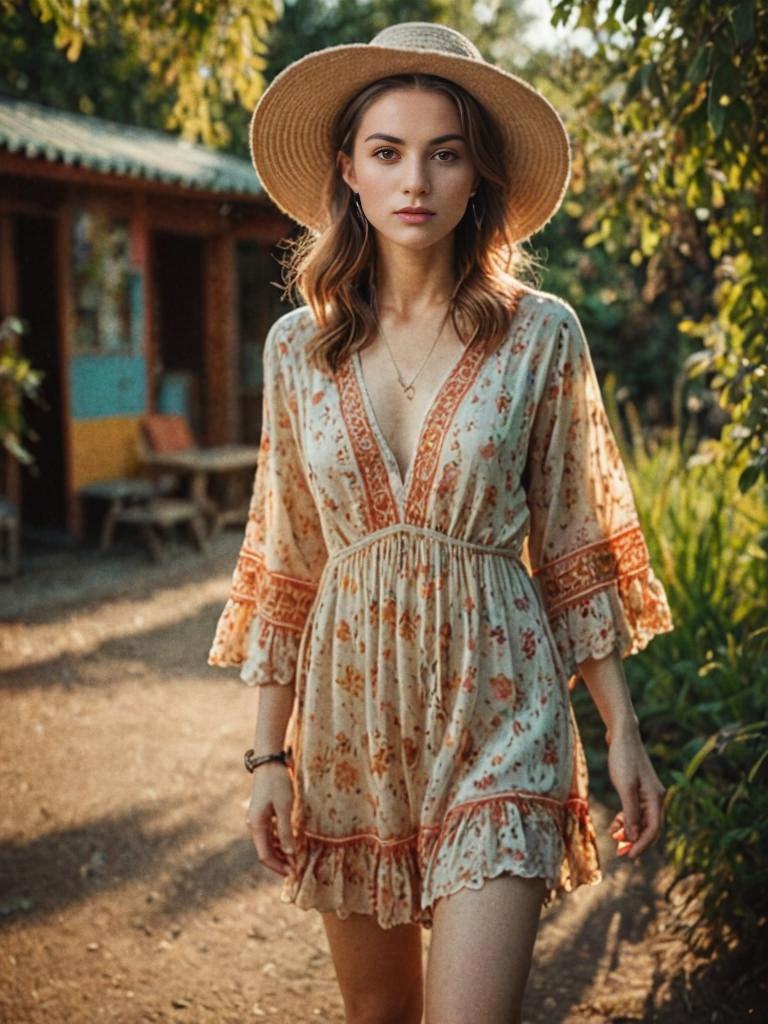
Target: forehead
[(417, 112)]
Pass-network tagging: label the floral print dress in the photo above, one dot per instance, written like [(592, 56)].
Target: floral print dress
[(433, 626)]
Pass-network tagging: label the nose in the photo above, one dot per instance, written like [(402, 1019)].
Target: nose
[(416, 175)]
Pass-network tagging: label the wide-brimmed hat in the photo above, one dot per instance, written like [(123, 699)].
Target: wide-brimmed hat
[(291, 139)]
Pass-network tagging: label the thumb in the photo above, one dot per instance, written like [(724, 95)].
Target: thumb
[(630, 803), (284, 833)]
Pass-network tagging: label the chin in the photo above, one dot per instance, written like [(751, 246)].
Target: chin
[(408, 238)]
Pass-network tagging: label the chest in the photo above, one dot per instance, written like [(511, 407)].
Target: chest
[(400, 418)]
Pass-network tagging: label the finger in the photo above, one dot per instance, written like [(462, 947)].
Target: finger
[(284, 834), (651, 826), (630, 802), (617, 822), (266, 850)]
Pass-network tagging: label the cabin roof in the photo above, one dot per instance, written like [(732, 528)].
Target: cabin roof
[(78, 140)]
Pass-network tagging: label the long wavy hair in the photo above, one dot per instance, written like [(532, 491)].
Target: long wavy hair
[(334, 271)]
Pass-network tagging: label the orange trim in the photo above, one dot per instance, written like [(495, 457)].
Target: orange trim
[(381, 506), (438, 422), (517, 795), (587, 547), (578, 574), (281, 600)]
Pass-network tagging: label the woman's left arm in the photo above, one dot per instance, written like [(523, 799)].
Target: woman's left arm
[(638, 824)]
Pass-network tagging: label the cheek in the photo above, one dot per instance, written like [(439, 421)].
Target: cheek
[(458, 189)]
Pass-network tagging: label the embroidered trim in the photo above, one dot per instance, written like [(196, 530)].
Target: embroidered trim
[(282, 600), (580, 573), (439, 419), (381, 507), (517, 796)]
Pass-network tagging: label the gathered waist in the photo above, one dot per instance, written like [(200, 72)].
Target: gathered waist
[(424, 531)]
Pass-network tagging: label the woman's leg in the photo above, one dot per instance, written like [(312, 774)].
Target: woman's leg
[(480, 951), (378, 969)]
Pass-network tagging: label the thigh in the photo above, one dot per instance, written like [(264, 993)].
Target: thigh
[(379, 970), (481, 949)]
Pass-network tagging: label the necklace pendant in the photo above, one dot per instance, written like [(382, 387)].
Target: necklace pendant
[(409, 390)]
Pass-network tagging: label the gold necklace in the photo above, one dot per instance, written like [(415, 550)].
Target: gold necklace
[(408, 388)]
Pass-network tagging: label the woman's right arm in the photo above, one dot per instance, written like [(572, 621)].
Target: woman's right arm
[(273, 587), (271, 790)]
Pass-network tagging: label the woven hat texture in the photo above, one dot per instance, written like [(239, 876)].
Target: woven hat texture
[(291, 129)]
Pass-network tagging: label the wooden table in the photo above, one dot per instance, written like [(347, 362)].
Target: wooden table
[(228, 461)]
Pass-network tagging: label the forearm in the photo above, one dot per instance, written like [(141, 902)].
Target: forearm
[(607, 684), (275, 702)]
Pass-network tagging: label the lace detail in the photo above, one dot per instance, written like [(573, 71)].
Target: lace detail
[(625, 614), (524, 834), (261, 624)]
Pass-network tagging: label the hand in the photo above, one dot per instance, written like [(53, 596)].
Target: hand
[(638, 824), (269, 816)]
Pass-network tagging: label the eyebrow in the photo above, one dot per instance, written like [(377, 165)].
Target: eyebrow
[(401, 142)]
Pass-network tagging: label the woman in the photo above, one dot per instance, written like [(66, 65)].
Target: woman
[(425, 415)]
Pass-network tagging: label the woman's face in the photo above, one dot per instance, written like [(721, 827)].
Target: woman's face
[(410, 151)]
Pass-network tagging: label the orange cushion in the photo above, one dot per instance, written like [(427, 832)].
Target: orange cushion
[(167, 433)]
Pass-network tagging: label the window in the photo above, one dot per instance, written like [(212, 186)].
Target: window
[(107, 289)]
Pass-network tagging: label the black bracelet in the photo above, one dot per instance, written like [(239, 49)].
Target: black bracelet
[(252, 762)]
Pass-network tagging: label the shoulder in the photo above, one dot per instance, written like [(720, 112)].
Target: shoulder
[(552, 325), (285, 344), (546, 308), (289, 330)]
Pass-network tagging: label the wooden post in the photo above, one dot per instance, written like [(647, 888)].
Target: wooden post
[(221, 419), (10, 476)]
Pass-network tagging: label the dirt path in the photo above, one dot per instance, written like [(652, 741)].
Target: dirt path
[(130, 889)]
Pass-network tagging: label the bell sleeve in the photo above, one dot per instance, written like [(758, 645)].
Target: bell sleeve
[(586, 548), (283, 551)]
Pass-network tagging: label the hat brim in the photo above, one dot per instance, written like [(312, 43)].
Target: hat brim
[(291, 144)]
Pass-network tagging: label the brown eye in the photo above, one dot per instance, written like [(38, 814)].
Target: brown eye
[(386, 149)]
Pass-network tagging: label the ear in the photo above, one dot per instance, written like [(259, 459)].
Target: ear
[(347, 169)]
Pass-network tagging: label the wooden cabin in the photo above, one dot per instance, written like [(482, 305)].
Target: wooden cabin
[(144, 267)]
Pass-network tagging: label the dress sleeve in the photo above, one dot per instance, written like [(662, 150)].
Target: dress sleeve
[(586, 548), (283, 551)]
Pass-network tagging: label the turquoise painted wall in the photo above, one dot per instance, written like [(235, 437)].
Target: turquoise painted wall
[(107, 385)]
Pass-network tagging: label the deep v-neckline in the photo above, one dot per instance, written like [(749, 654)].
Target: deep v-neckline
[(385, 449)]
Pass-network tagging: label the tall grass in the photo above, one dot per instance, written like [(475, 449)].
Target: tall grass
[(701, 691)]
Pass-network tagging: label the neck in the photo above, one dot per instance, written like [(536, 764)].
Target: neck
[(412, 283)]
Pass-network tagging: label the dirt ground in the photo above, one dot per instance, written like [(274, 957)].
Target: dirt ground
[(130, 887)]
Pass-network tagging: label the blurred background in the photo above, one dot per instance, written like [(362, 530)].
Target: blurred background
[(138, 270)]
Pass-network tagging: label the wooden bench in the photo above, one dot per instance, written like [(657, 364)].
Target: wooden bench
[(141, 502), (164, 513)]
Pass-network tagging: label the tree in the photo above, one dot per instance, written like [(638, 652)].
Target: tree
[(203, 54), (674, 105)]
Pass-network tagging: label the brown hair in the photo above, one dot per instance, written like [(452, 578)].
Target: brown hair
[(335, 271)]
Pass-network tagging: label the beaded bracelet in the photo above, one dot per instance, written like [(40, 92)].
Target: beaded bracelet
[(252, 762)]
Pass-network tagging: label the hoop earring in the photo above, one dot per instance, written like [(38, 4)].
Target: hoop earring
[(362, 216), (478, 220)]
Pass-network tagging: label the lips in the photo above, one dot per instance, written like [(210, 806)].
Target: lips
[(416, 209)]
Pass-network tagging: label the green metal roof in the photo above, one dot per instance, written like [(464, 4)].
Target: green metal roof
[(58, 136)]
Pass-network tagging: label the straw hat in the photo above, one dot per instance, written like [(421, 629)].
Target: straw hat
[(291, 128)]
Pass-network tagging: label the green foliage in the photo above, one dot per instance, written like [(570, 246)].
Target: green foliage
[(672, 128), (718, 820), (701, 691), (203, 54), (17, 381)]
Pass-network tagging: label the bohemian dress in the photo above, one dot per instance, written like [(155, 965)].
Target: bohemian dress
[(433, 626)]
